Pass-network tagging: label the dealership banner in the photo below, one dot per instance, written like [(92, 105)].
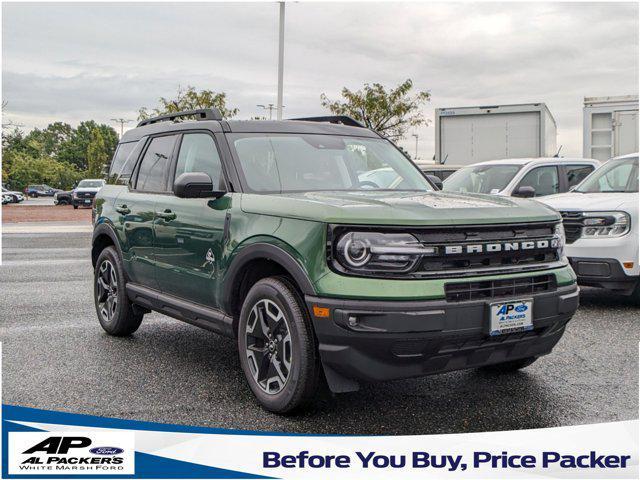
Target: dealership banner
[(50, 444)]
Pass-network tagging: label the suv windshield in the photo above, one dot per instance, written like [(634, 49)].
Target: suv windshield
[(280, 163), (90, 184), (481, 179), (613, 176)]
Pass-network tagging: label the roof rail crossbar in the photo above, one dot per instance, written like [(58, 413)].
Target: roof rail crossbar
[(199, 114), (341, 119)]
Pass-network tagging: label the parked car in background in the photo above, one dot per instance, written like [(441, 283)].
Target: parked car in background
[(521, 177), (600, 219), (63, 198), (14, 197), (442, 171), (85, 192), (387, 178), (40, 190)]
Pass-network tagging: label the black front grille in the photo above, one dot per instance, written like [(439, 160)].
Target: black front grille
[(464, 250), (86, 194), (513, 287), (572, 222)]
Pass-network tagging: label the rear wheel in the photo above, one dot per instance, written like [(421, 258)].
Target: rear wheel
[(277, 346), (117, 315), (511, 366), (75, 207)]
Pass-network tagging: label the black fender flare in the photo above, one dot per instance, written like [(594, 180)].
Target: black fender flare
[(108, 230), (268, 252)]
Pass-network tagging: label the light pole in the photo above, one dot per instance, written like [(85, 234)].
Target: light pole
[(269, 107), (280, 61), (415, 135), (121, 121)]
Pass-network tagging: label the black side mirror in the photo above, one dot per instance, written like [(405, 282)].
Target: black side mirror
[(437, 181), (195, 185), (525, 191)]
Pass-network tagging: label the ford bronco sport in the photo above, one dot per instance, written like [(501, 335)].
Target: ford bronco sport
[(272, 233)]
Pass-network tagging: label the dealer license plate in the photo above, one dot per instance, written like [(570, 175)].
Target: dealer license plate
[(509, 317)]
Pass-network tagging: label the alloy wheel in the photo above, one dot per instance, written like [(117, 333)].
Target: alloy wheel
[(268, 346), (107, 281)]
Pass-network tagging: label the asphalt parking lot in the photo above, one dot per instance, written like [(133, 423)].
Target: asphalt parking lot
[(55, 356)]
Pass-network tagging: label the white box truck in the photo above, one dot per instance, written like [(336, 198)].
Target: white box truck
[(610, 126), (467, 135)]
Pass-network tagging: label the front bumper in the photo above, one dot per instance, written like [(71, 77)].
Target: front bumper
[(402, 339), (604, 273), (82, 202)]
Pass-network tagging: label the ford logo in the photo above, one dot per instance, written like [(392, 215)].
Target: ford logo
[(521, 308), (106, 451)]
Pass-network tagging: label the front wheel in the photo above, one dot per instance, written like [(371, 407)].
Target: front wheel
[(277, 346), (116, 313)]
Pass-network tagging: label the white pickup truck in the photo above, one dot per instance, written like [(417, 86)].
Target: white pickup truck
[(600, 218)]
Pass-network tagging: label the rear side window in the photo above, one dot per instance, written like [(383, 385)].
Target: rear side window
[(198, 153), (122, 164), (152, 174), (577, 173)]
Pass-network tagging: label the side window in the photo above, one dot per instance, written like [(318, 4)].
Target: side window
[(543, 179), (155, 163), (121, 163), (198, 153), (577, 173)]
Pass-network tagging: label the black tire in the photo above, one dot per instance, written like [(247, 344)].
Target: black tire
[(63, 202), (300, 352), (511, 366), (117, 316), (75, 207), (34, 195)]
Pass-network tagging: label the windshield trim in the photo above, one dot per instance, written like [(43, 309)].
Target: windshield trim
[(245, 188)]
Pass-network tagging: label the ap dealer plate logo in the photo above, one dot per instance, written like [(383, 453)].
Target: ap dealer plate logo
[(71, 453)]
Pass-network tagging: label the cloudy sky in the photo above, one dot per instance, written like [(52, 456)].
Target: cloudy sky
[(75, 61)]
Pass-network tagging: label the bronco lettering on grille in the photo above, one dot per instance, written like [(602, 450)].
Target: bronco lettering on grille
[(499, 247)]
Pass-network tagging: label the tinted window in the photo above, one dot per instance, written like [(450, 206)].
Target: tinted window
[(154, 165), (121, 163), (198, 153), (543, 179), (577, 173)]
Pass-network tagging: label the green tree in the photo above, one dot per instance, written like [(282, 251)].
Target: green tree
[(389, 112), (52, 138), (97, 154), (74, 151), (190, 99), (26, 170)]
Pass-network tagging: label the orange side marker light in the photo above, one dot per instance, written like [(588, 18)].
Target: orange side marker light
[(627, 264), (320, 312)]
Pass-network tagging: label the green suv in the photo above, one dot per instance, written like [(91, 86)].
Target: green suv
[(324, 252)]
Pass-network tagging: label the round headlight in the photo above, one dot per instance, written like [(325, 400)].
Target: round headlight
[(356, 252)]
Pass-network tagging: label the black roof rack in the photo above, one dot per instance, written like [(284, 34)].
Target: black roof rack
[(200, 114), (341, 119)]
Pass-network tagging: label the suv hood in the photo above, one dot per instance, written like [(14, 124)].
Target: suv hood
[(398, 208), (590, 201)]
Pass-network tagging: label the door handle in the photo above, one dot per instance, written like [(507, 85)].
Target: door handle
[(166, 215), (123, 209)]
